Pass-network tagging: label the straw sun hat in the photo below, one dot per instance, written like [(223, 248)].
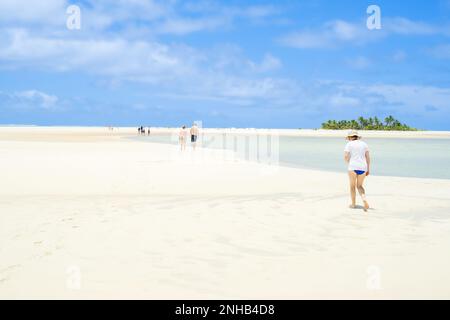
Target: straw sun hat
[(353, 133)]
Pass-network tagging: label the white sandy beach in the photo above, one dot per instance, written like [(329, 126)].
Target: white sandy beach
[(138, 220)]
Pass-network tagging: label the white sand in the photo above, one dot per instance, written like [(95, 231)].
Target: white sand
[(85, 214)]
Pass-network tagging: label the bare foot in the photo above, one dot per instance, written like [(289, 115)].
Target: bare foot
[(366, 206), (352, 206)]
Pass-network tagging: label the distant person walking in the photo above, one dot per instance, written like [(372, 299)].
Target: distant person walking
[(148, 131), (194, 135), (182, 137), (356, 154)]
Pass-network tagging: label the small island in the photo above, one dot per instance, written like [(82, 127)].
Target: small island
[(389, 124)]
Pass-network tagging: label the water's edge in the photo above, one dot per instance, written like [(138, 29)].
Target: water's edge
[(413, 158)]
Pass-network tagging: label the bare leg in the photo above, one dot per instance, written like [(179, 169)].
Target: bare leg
[(352, 179), (362, 191)]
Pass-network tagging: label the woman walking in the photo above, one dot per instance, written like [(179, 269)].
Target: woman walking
[(356, 154), (182, 136)]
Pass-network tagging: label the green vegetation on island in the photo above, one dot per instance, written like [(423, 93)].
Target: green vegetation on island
[(389, 124)]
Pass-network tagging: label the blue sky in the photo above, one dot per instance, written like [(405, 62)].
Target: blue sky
[(276, 64)]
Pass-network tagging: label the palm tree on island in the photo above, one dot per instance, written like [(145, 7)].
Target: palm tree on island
[(389, 124)]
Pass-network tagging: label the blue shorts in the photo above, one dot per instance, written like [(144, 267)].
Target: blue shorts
[(359, 172), (193, 138)]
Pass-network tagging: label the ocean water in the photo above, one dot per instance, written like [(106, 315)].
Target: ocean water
[(421, 158)]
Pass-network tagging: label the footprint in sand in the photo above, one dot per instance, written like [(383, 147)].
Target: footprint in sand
[(165, 208), (37, 242), (44, 254), (10, 268)]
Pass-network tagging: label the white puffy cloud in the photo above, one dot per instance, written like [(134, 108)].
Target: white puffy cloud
[(339, 32), (269, 63), (401, 99), (111, 57), (38, 98), (403, 26), (175, 68), (32, 11), (339, 100), (183, 26), (331, 34), (413, 98), (29, 99), (152, 16)]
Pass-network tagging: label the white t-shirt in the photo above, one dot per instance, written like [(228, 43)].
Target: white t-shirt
[(357, 150)]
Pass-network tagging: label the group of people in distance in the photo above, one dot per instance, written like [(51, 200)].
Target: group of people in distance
[(142, 131), (183, 136)]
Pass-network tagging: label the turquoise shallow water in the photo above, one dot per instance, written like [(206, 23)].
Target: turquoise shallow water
[(421, 158)]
